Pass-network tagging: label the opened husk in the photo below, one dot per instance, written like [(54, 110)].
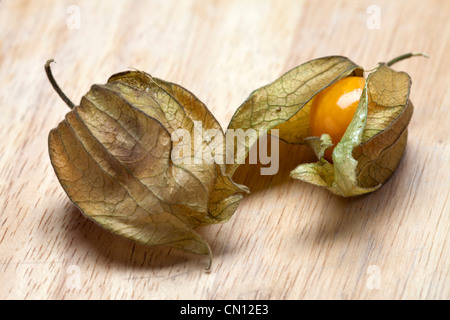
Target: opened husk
[(370, 150)]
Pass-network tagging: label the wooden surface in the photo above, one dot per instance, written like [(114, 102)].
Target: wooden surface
[(288, 239)]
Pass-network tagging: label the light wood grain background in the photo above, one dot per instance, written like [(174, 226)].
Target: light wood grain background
[(288, 239)]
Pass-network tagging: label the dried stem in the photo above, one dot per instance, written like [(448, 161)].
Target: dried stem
[(406, 56), (55, 85)]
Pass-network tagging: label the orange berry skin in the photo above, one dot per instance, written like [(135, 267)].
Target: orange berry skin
[(332, 110)]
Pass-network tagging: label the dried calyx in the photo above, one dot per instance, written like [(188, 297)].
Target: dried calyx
[(113, 156), (374, 141)]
